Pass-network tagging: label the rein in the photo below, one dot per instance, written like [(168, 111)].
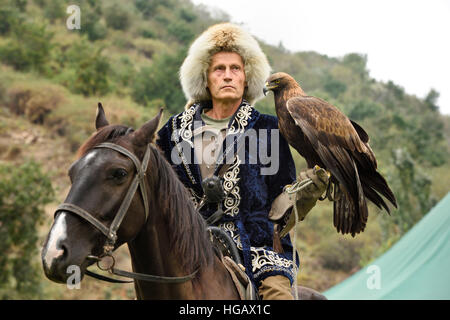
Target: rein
[(111, 232)]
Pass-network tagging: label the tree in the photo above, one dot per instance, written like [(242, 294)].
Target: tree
[(334, 87), (412, 188), (118, 16), (92, 25), (29, 46), (24, 190), (160, 81), (431, 100), (90, 68), (92, 74), (357, 62)]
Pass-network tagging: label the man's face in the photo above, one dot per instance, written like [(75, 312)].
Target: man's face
[(226, 77)]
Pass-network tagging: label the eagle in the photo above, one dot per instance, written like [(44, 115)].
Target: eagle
[(325, 137)]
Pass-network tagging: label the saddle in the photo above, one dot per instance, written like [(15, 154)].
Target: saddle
[(227, 251)]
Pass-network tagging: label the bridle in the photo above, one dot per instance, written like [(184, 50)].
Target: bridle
[(111, 232)]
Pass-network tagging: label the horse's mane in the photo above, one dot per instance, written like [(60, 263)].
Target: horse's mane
[(187, 229)]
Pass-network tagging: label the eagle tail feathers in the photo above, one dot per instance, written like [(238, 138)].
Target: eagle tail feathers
[(378, 183)]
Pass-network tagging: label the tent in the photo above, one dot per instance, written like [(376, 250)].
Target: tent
[(416, 267)]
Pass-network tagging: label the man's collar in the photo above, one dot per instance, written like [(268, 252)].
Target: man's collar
[(201, 105)]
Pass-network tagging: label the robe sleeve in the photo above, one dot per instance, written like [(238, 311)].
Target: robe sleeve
[(163, 140), (285, 173)]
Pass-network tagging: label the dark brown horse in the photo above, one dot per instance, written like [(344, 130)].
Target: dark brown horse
[(171, 242), (166, 236)]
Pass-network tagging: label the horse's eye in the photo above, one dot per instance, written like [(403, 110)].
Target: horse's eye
[(119, 174)]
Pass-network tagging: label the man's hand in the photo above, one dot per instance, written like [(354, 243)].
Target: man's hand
[(306, 199), (320, 178)]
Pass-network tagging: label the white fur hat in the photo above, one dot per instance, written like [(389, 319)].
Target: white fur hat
[(223, 37)]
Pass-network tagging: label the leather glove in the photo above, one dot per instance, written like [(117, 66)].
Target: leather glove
[(307, 197), (319, 177)]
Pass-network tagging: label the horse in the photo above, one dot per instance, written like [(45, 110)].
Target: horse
[(171, 242), (172, 256)]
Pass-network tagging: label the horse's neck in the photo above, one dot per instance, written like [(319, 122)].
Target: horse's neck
[(151, 254), (213, 281)]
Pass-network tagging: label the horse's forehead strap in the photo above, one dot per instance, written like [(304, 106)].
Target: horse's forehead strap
[(120, 149)]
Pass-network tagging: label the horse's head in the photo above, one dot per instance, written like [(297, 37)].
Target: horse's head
[(101, 179)]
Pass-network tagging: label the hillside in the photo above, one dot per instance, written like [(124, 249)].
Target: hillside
[(127, 55)]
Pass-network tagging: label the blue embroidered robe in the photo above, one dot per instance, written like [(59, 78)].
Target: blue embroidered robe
[(250, 194)]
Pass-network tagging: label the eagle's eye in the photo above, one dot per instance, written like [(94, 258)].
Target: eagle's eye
[(277, 81)]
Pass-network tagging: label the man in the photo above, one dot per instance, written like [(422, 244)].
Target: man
[(222, 76)]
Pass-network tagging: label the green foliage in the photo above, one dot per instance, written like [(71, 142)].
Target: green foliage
[(54, 10), (19, 4), (148, 8), (124, 71), (181, 32), (431, 100), (92, 75), (412, 188), (187, 15), (117, 16), (150, 47), (427, 140), (334, 87), (398, 91), (357, 63), (24, 190), (92, 25), (90, 69), (148, 33), (364, 109), (8, 17), (160, 80), (29, 46), (339, 255)]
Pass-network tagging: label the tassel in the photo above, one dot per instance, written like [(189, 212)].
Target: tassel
[(276, 240)]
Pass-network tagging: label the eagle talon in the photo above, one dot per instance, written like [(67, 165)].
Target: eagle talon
[(317, 168)]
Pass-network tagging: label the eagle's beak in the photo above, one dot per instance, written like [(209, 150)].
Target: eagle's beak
[(268, 87)]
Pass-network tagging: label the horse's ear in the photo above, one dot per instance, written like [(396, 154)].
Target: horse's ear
[(100, 119), (146, 134)]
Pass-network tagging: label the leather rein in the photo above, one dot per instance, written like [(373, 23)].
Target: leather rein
[(111, 232)]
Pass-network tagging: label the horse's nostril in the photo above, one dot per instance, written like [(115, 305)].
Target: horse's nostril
[(64, 252)]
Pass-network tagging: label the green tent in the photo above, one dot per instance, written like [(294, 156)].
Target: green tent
[(416, 267)]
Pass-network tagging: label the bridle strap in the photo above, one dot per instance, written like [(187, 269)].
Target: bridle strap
[(111, 232), (83, 214), (140, 276), (141, 169), (152, 278), (138, 180)]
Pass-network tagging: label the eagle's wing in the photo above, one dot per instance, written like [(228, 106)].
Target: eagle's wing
[(325, 123), (343, 147), (336, 140)]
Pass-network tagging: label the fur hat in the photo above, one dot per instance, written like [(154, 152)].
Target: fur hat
[(223, 37)]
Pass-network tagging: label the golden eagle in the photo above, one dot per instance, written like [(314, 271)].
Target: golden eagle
[(324, 136)]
